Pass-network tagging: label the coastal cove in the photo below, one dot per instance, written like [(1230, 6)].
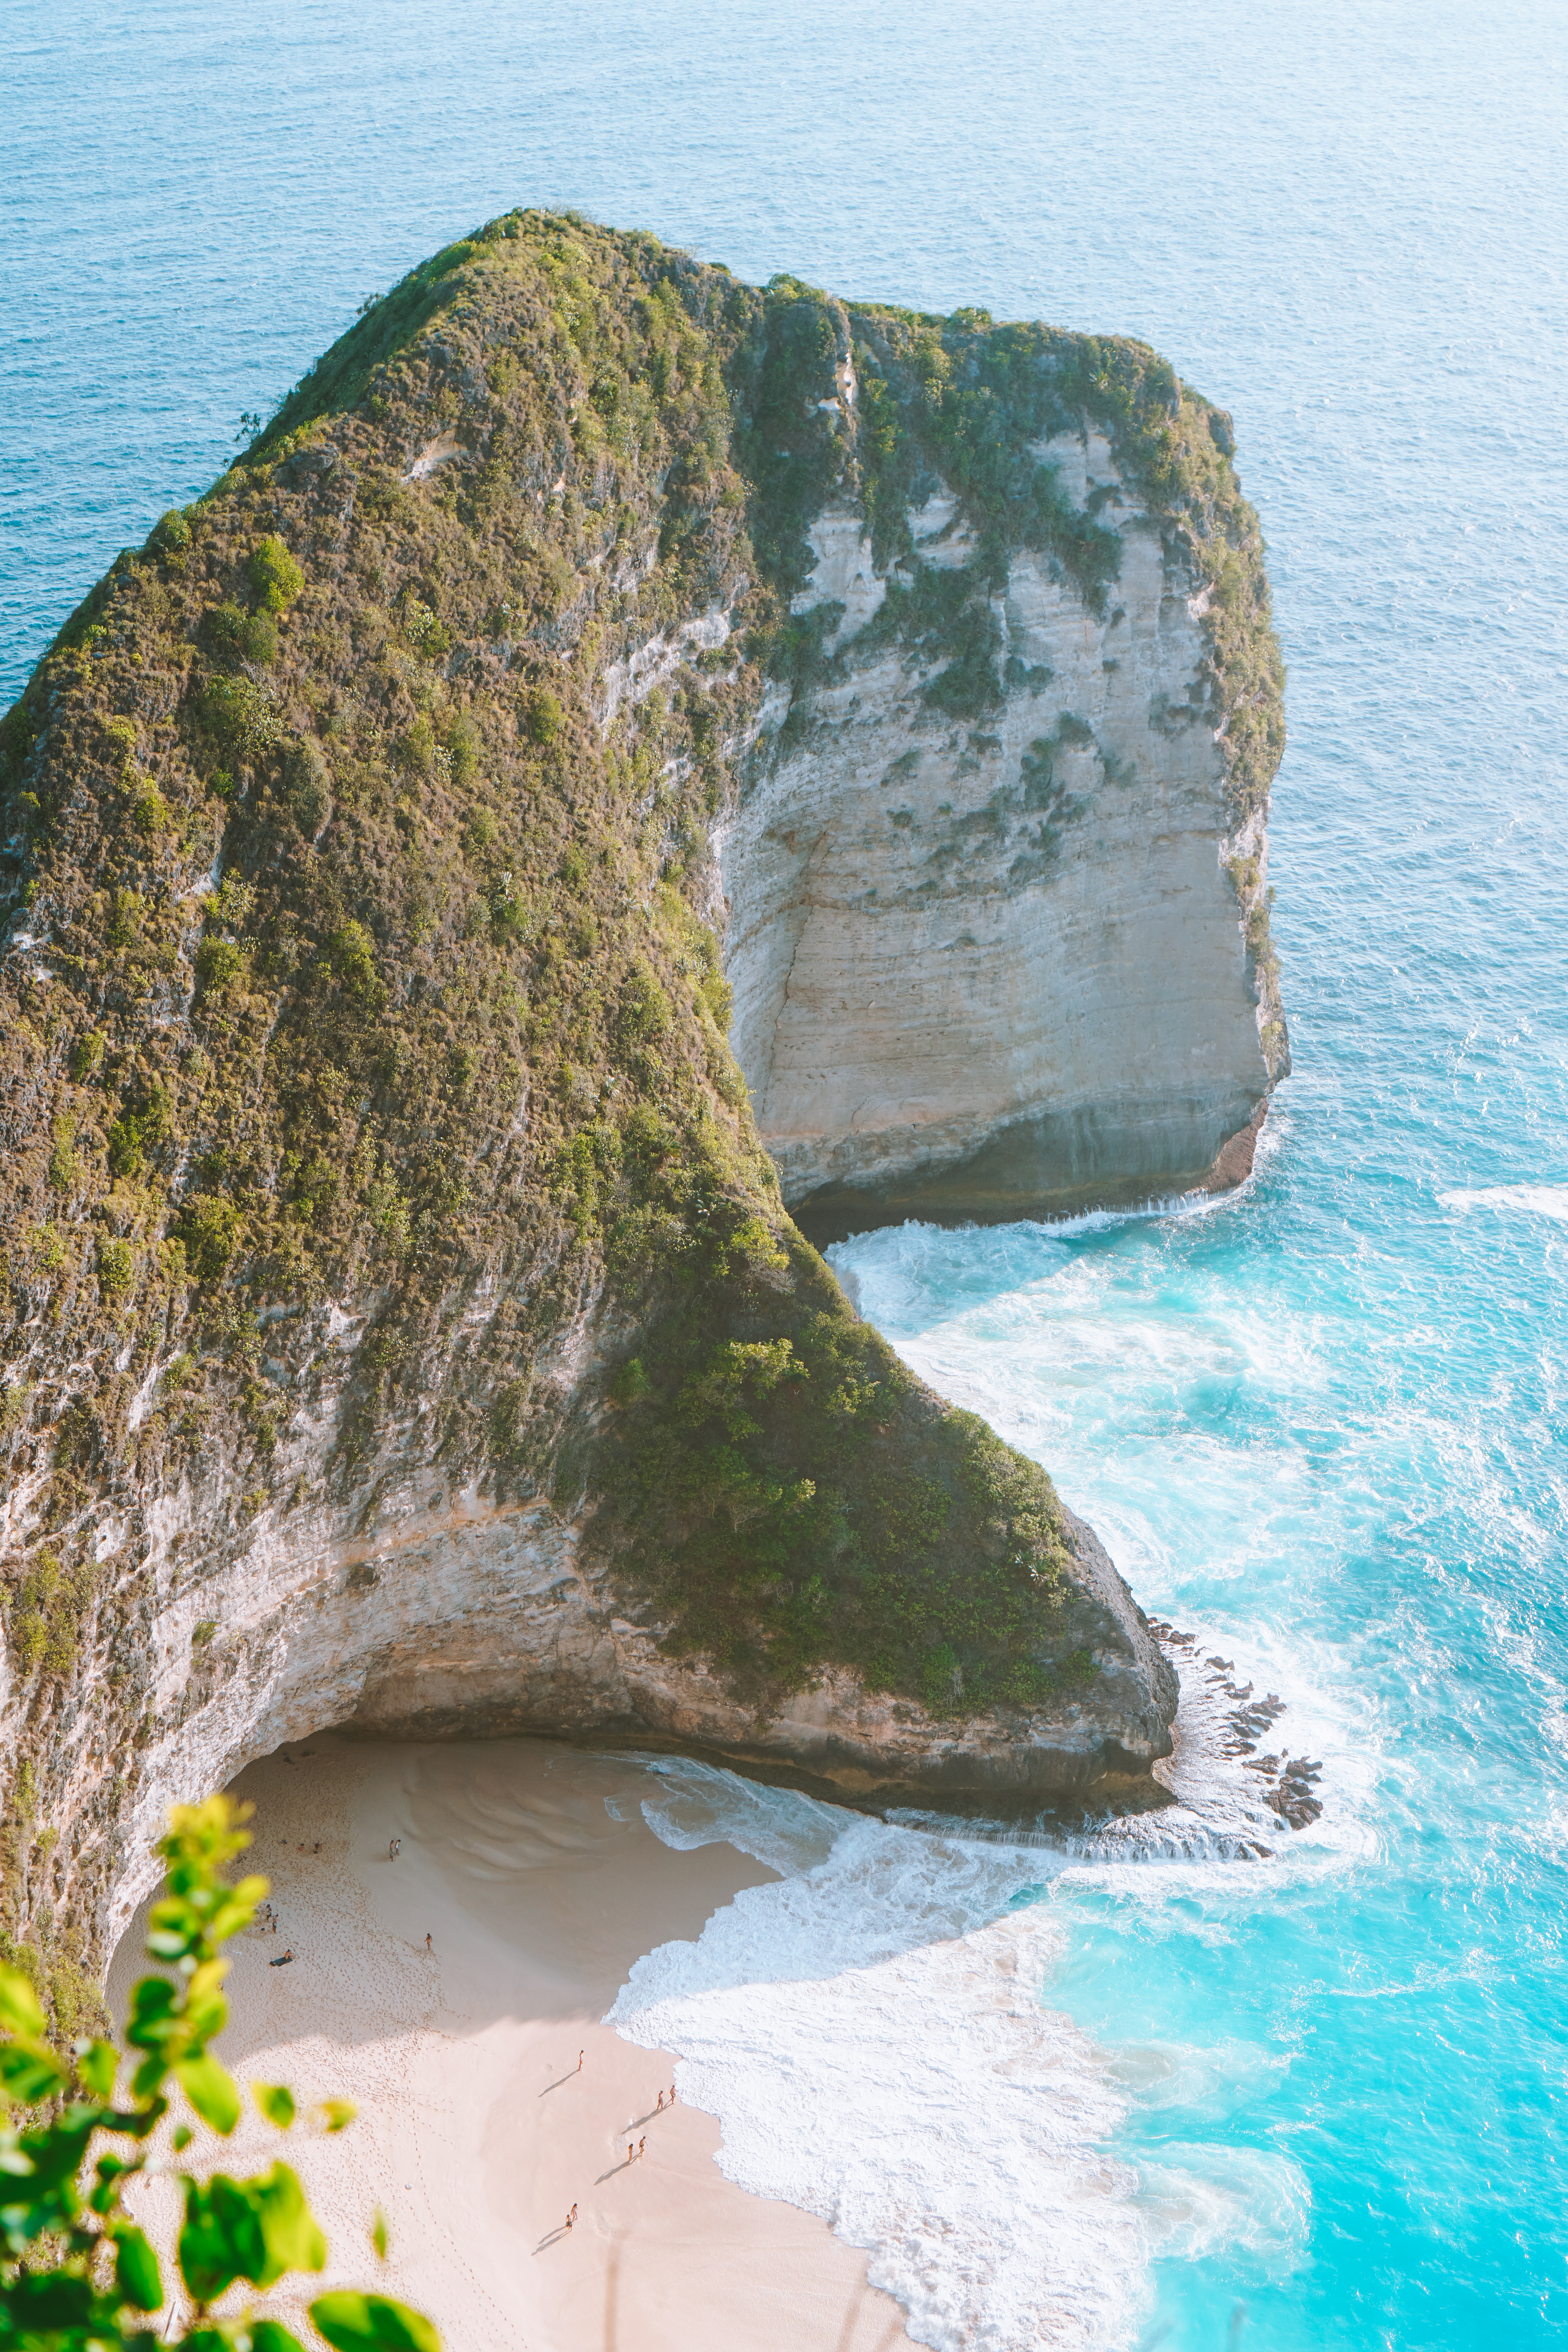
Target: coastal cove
[(1308, 2099), (532, 1871)]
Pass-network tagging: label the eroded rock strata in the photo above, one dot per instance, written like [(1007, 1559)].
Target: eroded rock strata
[(998, 886), (984, 970), (406, 1327)]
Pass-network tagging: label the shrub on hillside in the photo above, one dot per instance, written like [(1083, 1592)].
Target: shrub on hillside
[(210, 1229), (307, 785), (116, 1268), (542, 716), (242, 715), (250, 636), (274, 574), (169, 536)]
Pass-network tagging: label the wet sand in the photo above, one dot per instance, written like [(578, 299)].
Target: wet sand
[(533, 1870)]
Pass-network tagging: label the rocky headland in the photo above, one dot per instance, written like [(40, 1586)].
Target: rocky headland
[(623, 754)]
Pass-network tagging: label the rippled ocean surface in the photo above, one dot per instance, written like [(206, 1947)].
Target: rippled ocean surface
[(1313, 2103)]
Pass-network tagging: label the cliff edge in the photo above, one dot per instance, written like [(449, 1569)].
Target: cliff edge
[(998, 877), (406, 1327)]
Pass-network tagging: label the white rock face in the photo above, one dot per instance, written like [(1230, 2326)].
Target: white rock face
[(1000, 964), (450, 1616), (655, 663)]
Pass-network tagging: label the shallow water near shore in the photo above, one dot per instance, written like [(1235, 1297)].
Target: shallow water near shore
[(1123, 2091)]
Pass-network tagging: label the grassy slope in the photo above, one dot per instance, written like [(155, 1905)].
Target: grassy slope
[(367, 966)]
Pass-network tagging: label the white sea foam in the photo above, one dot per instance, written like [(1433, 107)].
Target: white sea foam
[(1210, 2083), (873, 2039), (872, 2030), (876, 2032), (1535, 1200), (1204, 2201)]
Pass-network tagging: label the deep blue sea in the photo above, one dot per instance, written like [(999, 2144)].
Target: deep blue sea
[(1316, 2102)]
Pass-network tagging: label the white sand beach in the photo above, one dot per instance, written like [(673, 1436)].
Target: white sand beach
[(477, 2132)]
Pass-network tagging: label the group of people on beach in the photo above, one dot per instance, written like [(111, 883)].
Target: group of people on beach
[(267, 1920), (267, 1917), (635, 2148)]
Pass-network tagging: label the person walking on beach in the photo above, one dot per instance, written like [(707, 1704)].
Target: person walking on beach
[(579, 2061), (642, 2144), (569, 2219), (428, 1944), (631, 2153), (395, 1847), (672, 2095)]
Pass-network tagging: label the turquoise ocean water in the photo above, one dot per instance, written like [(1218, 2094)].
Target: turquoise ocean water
[(1322, 1425)]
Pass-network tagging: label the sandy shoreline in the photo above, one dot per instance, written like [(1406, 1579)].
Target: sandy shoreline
[(533, 1870)]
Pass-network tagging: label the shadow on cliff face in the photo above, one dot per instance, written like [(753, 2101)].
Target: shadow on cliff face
[(1050, 1167)]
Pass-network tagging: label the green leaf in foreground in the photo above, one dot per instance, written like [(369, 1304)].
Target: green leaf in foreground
[(276, 2102), (28, 2074), (221, 2239), (211, 2090), (97, 2064), (62, 2218), (19, 2010), (267, 2336), (373, 2323), (289, 2229), (136, 2271)]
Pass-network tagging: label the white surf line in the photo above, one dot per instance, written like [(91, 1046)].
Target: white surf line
[(1535, 1200)]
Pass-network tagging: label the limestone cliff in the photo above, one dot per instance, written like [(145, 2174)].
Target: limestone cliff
[(997, 881), (404, 1324)]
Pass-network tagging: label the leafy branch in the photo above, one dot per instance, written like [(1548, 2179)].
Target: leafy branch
[(76, 2275)]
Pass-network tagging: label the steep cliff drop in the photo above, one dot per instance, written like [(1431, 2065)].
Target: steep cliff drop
[(998, 910), (406, 1327)]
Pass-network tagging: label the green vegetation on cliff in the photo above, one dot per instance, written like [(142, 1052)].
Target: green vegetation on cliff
[(927, 404), (362, 949)]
